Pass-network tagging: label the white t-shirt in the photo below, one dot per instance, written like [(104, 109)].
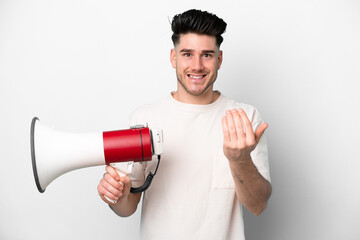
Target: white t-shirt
[(192, 195)]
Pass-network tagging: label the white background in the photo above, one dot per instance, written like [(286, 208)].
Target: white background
[(84, 65)]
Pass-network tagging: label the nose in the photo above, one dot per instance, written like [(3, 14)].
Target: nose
[(197, 64)]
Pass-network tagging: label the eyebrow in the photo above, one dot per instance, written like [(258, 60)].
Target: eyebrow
[(191, 50)]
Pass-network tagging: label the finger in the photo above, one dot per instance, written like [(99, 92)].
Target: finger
[(260, 131), (112, 171), (106, 195), (111, 182), (250, 137), (109, 200), (110, 191), (231, 126), (238, 125), (127, 185), (225, 129)]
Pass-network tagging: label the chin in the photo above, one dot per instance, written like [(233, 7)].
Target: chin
[(198, 92)]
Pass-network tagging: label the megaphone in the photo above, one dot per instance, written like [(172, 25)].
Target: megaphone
[(54, 153)]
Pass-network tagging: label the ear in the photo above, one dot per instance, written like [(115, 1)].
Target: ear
[(173, 57), (220, 58)]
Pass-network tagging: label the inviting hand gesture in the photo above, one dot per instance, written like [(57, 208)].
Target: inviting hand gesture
[(239, 137)]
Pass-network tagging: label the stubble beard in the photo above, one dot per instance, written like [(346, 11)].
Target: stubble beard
[(195, 93)]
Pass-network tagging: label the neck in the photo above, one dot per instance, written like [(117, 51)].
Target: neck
[(204, 99)]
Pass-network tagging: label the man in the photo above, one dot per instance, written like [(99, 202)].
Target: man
[(215, 158)]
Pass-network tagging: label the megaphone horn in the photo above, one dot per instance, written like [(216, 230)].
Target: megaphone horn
[(54, 153)]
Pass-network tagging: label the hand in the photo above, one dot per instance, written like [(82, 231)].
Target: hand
[(113, 187), (239, 137)]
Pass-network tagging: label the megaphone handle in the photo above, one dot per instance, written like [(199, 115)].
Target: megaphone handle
[(123, 169)]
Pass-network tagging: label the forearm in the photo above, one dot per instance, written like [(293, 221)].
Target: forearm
[(252, 189), (126, 206)]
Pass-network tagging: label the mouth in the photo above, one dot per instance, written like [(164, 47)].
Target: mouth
[(196, 77)]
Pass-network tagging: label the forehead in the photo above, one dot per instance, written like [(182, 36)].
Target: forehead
[(197, 42)]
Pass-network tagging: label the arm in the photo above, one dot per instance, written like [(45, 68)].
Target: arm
[(109, 186), (252, 189)]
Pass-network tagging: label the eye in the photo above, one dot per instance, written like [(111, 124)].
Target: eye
[(207, 55), (186, 54)]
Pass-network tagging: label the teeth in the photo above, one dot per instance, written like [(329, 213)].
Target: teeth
[(196, 77)]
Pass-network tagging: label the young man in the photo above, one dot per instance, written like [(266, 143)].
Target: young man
[(215, 158)]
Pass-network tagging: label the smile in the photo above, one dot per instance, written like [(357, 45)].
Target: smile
[(196, 76)]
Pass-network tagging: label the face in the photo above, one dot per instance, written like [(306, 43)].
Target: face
[(196, 59)]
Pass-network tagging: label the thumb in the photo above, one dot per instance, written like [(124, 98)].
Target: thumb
[(127, 185), (260, 131)]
